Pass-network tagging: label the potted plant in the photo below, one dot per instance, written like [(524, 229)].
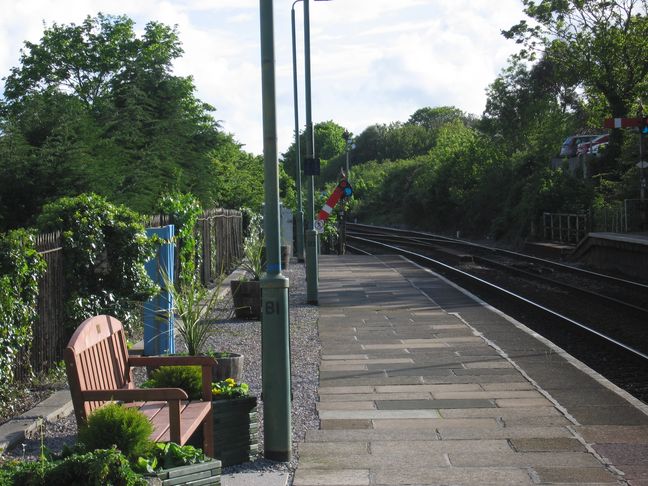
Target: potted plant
[(130, 430), (172, 464), (236, 426), (196, 309), (230, 365), (246, 293)]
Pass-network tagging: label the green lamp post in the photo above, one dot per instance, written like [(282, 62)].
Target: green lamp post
[(275, 352)]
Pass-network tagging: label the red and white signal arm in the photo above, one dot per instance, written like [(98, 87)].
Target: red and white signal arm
[(342, 190)]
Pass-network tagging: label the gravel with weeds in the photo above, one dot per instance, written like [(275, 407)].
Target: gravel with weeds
[(242, 337)]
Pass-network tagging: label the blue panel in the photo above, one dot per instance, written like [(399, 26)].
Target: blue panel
[(158, 311)]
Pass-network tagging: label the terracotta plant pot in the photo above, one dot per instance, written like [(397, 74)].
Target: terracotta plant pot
[(246, 295), (230, 365)]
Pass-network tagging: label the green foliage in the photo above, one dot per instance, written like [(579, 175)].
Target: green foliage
[(239, 176), (98, 467), (194, 306), (26, 473), (95, 107), (228, 389), (188, 378), (102, 466), (434, 118), (126, 428), (105, 248), (167, 456), (253, 248), (21, 268), (184, 210), (329, 143)]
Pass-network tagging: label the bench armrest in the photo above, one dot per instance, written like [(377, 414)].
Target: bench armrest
[(136, 395), (171, 361)]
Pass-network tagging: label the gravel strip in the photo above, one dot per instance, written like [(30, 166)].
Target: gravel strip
[(243, 337)]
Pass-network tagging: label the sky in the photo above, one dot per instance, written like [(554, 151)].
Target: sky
[(372, 61)]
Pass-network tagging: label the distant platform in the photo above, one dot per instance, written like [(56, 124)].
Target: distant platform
[(626, 253), (548, 250)]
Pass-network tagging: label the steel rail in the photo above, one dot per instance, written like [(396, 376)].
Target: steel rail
[(503, 291), (562, 284), (399, 240), (442, 239)]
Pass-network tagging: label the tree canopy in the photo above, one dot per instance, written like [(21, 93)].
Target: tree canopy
[(601, 42), (95, 107)]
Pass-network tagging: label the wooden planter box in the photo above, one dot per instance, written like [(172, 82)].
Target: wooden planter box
[(236, 430), (203, 474)]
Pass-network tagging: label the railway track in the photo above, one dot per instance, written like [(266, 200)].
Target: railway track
[(600, 319)]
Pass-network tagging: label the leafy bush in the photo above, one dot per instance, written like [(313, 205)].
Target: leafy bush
[(21, 268), (169, 455), (184, 210), (105, 249), (107, 466), (188, 378), (253, 247), (80, 469), (126, 428), (25, 473)]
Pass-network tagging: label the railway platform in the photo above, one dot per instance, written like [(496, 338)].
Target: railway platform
[(421, 383), (624, 252)]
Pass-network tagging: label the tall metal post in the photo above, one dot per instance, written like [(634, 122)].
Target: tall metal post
[(311, 235), (299, 214), (275, 335)]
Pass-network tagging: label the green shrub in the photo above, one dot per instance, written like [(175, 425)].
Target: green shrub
[(169, 455), (107, 466), (105, 249), (98, 467), (21, 268), (126, 428), (184, 210), (188, 378), (25, 473)]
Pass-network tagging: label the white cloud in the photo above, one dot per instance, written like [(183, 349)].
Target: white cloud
[(373, 61)]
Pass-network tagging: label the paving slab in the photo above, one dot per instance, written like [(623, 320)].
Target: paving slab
[(423, 384), (261, 478), (575, 475)]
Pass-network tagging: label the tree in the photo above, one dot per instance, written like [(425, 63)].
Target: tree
[(601, 46), (329, 143), (603, 41), (85, 59), (531, 109), (434, 118), (95, 107)]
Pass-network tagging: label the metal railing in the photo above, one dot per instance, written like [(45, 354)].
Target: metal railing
[(564, 227)]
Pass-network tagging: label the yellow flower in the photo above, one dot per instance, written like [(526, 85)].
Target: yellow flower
[(216, 391), (230, 381)]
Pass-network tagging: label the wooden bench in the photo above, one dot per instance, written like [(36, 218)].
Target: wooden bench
[(99, 371)]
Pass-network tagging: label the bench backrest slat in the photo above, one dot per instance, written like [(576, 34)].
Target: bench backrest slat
[(96, 358)]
